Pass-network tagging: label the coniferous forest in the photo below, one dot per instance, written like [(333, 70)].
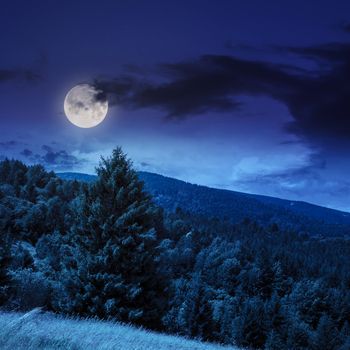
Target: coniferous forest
[(105, 249)]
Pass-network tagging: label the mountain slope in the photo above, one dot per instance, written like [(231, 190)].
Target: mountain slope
[(236, 206)]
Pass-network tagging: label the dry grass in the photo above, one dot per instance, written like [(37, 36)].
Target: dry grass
[(37, 330)]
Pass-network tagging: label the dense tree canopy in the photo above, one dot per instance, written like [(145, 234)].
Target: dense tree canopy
[(104, 249)]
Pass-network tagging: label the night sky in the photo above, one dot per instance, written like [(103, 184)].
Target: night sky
[(252, 96)]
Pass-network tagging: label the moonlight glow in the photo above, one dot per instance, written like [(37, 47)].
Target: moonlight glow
[(82, 107)]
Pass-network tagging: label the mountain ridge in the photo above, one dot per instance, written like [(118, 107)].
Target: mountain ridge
[(235, 206)]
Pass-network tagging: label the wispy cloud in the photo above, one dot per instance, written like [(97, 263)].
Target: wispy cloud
[(28, 75), (53, 159)]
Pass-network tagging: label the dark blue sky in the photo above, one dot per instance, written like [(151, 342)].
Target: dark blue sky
[(246, 95)]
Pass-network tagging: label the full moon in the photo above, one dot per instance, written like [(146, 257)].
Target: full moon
[(83, 108)]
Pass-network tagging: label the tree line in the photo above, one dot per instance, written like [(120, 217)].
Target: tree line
[(105, 249)]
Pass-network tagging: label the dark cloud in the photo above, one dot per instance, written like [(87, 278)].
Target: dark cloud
[(321, 106), (19, 74), (8, 144), (100, 96), (51, 158), (118, 90), (27, 153), (59, 159), (209, 83), (319, 100), (47, 148)]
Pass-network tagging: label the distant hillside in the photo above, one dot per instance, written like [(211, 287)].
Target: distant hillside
[(36, 331), (236, 206)]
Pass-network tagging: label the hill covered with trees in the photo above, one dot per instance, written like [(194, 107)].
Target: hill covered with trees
[(106, 248), (234, 206)]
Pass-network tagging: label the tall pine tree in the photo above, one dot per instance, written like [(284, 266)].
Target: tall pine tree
[(112, 270)]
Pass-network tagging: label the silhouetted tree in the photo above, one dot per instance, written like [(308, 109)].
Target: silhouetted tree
[(113, 272)]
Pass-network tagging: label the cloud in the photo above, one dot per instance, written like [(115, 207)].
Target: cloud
[(8, 144), (318, 100), (278, 165), (53, 159), (300, 183), (321, 106), (19, 74), (26, 153), (145, 164), (59, 159), (209, 83)]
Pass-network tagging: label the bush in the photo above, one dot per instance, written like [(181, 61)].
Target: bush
[(31, 289)]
